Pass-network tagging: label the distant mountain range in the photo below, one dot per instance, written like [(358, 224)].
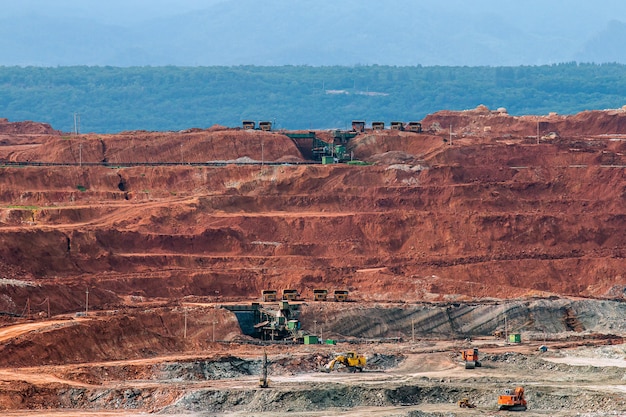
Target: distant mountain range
[(317, 33)]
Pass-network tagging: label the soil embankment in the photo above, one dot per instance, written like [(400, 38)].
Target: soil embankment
[(501, 223)]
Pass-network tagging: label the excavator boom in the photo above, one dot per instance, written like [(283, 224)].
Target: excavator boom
[(350, 360)]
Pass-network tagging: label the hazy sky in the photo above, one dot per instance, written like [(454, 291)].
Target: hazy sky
[(311, 32), (136, 10), (110, 11)]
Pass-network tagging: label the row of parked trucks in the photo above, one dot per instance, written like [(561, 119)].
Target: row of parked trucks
[(357, 126), (270, 296)]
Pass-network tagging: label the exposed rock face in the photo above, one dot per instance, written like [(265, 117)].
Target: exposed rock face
[(494, 214), (429, 240), (25, 128)]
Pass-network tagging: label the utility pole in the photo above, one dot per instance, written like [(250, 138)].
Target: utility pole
[(450, 135), (185, 326), (215, 321), (506, 331), (76, 123), (537, 132), (315, 322), (263, 383), (80, 154), (87, 301)]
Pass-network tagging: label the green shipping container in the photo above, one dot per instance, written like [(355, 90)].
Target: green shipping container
[(327, 160), (310, 340), (515, 338), (330, 342)]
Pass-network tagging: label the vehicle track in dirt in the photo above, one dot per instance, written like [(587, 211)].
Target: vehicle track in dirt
[(437, 241)]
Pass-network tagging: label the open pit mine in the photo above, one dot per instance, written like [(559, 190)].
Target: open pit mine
[(467, 263)]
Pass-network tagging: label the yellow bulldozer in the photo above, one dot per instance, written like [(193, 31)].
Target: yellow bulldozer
[(465, 403), (351, 361)]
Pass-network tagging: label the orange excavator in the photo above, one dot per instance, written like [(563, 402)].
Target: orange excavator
[(512, 400), (470, 357)]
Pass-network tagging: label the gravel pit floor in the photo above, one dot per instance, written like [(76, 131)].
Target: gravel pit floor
[(421, 382)]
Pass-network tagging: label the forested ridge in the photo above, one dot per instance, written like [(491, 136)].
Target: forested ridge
[(113, 99)]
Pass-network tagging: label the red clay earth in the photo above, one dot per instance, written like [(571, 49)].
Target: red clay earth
[(530, 206), (493, 214)]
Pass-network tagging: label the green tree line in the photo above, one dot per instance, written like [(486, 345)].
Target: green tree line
[(114, 99)]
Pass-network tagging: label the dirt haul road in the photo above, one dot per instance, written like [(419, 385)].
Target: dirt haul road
[(420, 378), (500, 229), (402, 378)]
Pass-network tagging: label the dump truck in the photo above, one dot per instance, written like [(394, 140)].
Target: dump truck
[(268, 296), (320, 295), (358, 126), (397, 126), (249, 125), (414, 127), (265, 126), (290, 295), (512, 400), (340, 295), (470, 357), (351, 360), (378, 125)]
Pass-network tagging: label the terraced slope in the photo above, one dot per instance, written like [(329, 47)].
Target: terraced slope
[(491, 215)]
